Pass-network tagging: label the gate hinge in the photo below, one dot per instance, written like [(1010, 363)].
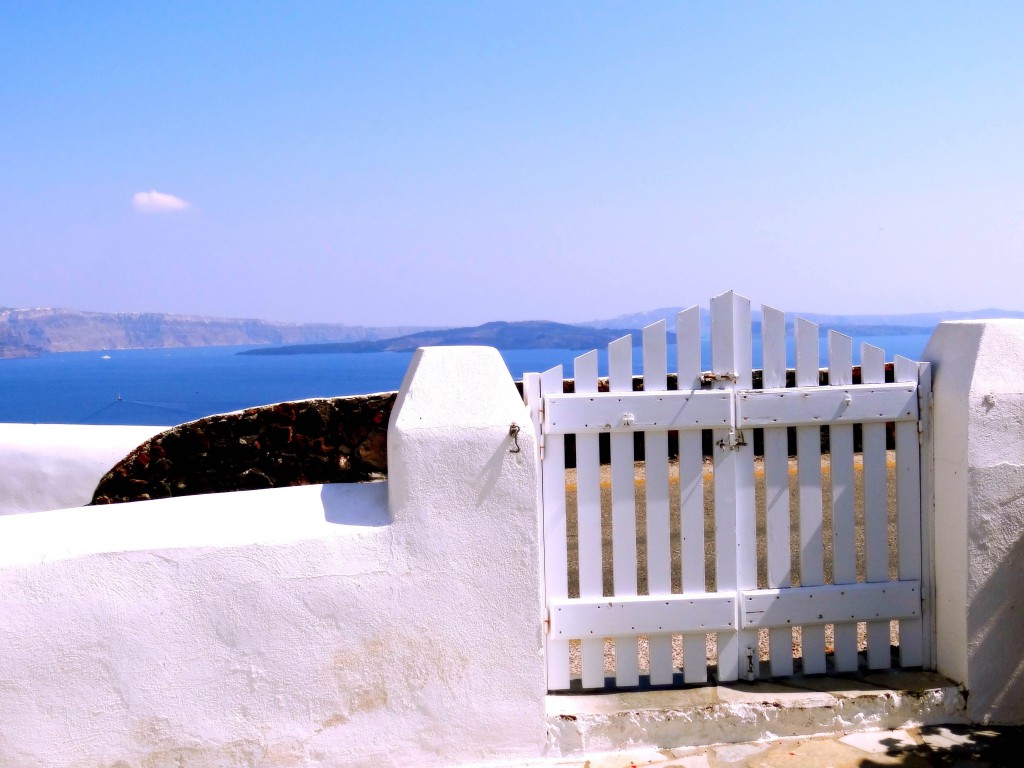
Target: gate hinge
[(540, 432), (924, 410)]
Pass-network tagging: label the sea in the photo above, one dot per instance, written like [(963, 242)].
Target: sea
[(163, 387)]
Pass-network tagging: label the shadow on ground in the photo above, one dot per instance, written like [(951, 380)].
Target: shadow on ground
[(955, 746)]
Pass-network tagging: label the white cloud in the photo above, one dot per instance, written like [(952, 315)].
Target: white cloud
[(158, 202)]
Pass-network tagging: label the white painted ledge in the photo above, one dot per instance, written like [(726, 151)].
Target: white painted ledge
[(195, 523), (56, 466)]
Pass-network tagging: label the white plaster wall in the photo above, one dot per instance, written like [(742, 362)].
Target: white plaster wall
[(310, 626), (219, 630), (978, 386), (54, 466), (468, 506)]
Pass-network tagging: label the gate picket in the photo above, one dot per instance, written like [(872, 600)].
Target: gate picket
[(691, 491), (908, 517), (735, 523), (808, 451), (659, 536), (556, 562), (776, 483), (844, 530), (876, 509), (588, 517), (624, 570)]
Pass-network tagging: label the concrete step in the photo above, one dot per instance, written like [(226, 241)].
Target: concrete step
[(935, 745), (734, 713)]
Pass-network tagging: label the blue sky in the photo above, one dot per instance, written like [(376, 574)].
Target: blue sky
[(453, 162)]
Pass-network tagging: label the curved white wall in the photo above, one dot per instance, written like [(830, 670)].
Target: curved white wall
[(54, 466)]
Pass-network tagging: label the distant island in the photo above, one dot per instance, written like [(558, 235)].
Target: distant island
[(530, 334), (33, 332), (533, 334)]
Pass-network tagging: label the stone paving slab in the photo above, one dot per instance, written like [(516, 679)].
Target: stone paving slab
[(880, 742)]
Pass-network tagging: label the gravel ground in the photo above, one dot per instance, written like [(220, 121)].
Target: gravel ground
[(709, 538)]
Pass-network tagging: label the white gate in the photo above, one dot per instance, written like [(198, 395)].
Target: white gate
[(660, 606)]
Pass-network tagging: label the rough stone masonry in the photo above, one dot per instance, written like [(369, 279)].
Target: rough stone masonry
[(325, 440)]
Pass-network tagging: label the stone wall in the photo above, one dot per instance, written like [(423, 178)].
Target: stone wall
[(327, 440)]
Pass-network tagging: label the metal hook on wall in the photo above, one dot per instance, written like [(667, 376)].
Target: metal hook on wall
[(513, 432)]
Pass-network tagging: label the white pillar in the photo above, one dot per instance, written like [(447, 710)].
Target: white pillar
[(978, 390), (466, 501)]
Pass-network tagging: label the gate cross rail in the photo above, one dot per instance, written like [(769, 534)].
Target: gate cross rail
[(724, 409)]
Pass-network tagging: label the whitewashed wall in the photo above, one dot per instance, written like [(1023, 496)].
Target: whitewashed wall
[(978, 387), (53, 466), (400, 623), (394, 623)]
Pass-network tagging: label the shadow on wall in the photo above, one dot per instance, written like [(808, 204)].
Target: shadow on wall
[(368, 509), (996, 610), (327, 440)]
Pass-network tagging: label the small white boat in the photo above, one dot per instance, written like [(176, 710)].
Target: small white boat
[(105, 357)]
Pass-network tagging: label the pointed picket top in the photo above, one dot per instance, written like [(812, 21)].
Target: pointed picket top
[(653, 327), (807, 360), (872, 364), (655, 356), (773, 346), (840, 359), (585, 372), (688, 362), (620, 364), (904, 368), (730, 296), (550, 376), (549, 383), (731, 344)]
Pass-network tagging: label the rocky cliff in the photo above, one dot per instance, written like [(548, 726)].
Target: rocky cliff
[(31, 332)]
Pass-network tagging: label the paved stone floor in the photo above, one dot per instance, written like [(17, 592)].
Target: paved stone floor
[(929, 746)]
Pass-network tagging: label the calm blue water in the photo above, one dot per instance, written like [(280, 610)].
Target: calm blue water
[(169, 386)]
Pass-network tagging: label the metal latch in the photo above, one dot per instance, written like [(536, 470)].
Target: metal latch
[(734, 441)]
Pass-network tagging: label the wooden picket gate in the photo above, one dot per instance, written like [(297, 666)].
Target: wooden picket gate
[(663, 601)]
